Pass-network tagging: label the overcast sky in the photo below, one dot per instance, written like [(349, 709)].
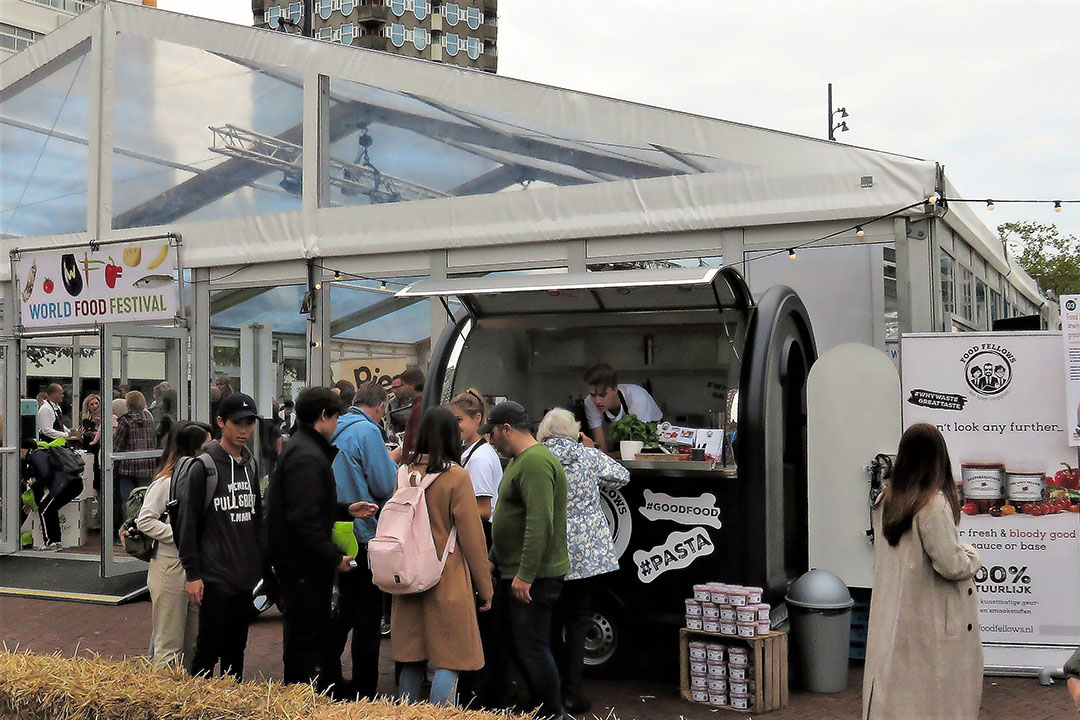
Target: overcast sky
[(988, 88)]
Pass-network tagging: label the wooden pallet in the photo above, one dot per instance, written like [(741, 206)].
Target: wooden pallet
[(768, 657)]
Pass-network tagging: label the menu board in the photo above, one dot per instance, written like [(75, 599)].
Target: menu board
[(998, 399)]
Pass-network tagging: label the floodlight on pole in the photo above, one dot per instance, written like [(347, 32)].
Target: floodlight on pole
[(832, 125)]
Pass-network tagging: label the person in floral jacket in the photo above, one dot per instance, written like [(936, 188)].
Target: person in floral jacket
[(591, 550)]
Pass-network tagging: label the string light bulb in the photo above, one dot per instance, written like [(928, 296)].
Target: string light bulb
[(933, 199), (382, 285), (316, 344), (859, 232), (791, 253), (990, 205), (338, 277), (318, 286), (1057, 206)]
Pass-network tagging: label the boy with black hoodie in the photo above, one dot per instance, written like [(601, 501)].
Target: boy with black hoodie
[(221, 541)]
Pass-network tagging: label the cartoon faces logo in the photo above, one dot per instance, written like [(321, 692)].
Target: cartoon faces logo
[(988, 369), (1070, 305)]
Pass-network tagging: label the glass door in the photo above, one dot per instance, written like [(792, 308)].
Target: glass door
[(144, 371), (9, 456)]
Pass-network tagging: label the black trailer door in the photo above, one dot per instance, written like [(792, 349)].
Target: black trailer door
[(771, 446)]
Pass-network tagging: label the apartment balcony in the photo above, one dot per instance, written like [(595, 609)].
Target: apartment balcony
[(372, 14), (488, 62), (374, 42), (488, 32)]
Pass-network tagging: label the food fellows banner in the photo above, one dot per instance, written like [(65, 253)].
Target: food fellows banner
[(1070, 334), (998, 400), (114, 283)]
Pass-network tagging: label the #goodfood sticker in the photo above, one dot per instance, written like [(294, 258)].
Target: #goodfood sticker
[(679, 550), (700, 510)]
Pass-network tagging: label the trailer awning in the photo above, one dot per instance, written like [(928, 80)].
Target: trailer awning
[(591, 292)]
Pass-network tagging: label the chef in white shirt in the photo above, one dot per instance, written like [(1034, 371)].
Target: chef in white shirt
[(50, 423), (609, 401)]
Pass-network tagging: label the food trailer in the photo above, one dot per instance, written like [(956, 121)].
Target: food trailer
[(688, 334)]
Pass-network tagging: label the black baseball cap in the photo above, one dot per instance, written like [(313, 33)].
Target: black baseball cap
[(507, 412), (237, 407)]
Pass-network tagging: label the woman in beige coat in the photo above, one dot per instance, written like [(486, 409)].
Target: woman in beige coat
[(439, 626), (923, 654)]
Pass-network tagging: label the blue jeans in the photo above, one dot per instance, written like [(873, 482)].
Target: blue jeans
[(530, 629), (442, 685)]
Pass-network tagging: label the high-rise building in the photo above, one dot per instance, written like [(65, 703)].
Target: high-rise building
[(24, 21), (462, 32)]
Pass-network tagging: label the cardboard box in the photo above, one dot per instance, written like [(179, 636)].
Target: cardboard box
[(73, 530)]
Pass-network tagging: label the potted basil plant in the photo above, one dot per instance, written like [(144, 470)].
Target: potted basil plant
[(632, 434)]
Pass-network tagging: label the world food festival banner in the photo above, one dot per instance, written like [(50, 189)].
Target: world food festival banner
[(113, 283), (1070, 333), (998, 399)]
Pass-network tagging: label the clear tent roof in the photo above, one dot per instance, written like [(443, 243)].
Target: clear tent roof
[(202, 122)]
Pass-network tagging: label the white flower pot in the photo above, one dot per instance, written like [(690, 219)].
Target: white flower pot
[(629, 449)]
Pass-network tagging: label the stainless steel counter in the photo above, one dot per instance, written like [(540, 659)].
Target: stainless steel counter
[(679, 468)]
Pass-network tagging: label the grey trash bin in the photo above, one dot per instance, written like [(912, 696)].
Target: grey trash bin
[(819, 606)]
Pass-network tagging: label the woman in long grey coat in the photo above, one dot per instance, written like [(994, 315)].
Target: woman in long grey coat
[(923, 653)]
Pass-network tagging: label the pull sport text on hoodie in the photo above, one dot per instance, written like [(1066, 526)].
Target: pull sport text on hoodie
[(223, 544)]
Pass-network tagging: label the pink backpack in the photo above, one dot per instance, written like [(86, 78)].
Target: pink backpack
[(402, 554)]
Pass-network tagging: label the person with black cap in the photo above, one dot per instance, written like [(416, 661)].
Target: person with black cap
[(221, 541), (528, 548)]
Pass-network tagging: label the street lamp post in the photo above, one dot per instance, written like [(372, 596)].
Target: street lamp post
[(842, 125)]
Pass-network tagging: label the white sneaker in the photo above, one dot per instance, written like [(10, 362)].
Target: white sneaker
[(52, 547)]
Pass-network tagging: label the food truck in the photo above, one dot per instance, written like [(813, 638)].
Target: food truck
[(689, 335)]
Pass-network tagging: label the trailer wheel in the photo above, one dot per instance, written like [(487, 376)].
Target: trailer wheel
[(605, 641)]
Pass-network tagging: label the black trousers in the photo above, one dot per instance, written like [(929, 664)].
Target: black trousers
[(50, 510), (360, 611), (529, 626), (223, 631), (570, 625), (306, 636)]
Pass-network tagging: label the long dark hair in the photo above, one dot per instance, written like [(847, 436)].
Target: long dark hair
[(185, 440), (439, 438), (922, 468)]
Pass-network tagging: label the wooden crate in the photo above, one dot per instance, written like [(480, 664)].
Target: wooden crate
[(768, 656)]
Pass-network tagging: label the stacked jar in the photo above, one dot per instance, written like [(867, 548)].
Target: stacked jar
[(716, 670), (740, 678), (699, 678)]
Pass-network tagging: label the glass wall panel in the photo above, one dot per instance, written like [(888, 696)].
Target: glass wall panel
[(43, 140), (388, 146), (948, 290), (375, 335), (202, 136)]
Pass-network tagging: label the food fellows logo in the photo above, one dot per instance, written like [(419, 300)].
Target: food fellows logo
[(988, 369), (619, 520), (679, 550), (700, 510)]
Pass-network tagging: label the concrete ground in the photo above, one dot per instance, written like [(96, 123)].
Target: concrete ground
[(116, 631)]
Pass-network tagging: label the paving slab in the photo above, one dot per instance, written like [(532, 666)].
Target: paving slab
[(45, 626)]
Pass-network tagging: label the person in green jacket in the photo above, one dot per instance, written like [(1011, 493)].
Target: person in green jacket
[(528, 548)]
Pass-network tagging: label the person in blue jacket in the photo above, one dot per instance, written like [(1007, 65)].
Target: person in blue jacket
[(364, 472)]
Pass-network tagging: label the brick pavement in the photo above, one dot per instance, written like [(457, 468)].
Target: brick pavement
[(45, 627)]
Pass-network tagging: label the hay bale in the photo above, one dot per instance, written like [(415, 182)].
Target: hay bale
[(51, 687)]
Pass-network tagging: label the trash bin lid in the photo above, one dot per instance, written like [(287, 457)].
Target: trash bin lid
[(819, 590)]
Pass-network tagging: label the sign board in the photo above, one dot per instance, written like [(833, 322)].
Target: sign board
[(364, 370), (115, 283), (997, 398), (1070, 333)]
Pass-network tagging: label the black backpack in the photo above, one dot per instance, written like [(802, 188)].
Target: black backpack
[(178, 487)]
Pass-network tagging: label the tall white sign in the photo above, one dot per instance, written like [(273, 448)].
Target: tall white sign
[(998, 400), (115, 283), (1070, 333)]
